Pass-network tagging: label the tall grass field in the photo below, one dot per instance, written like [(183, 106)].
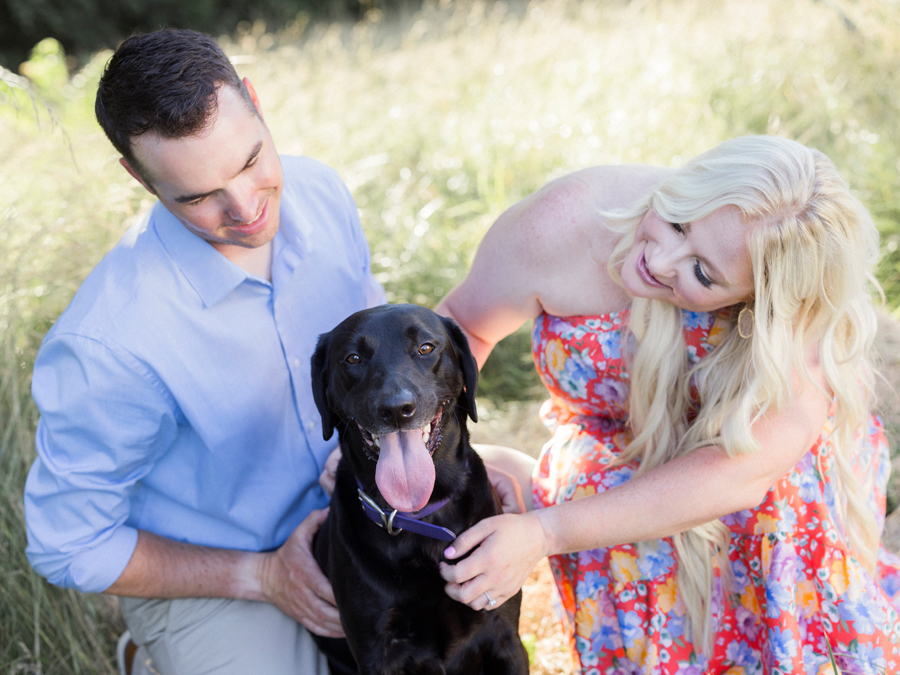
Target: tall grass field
[(437, 120)]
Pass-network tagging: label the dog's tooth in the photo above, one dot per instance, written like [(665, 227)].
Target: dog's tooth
[(376, 441), (425, 434)]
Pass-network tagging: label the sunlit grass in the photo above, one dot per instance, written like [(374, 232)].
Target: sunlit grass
[(437, 120)]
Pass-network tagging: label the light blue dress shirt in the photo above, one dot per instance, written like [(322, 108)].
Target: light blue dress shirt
[(175, 393)]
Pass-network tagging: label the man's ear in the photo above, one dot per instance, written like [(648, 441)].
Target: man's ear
[(134, 174), (253, 96)]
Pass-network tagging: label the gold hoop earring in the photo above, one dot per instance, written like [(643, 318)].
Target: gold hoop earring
[(745, 318)]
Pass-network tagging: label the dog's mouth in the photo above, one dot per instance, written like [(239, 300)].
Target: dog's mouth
[(431, 437), (405, 469)]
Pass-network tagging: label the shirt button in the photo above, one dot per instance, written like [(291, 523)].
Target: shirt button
[(296, 363), (310, 426)]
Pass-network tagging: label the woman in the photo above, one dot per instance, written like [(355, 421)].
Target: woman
[(703, 332)]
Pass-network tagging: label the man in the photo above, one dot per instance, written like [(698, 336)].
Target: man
[(179, 447)]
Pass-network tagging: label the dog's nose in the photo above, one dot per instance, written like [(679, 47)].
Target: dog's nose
[(398, 408)]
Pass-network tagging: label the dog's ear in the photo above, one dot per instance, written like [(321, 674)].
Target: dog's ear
[(468, 364), (320, 385)]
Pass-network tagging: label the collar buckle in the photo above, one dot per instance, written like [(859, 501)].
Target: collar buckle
[(387, 521)]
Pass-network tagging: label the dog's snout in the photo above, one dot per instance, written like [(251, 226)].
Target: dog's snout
[(398, 408)]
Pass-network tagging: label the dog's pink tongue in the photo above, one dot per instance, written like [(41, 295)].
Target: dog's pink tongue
[(405, 470)]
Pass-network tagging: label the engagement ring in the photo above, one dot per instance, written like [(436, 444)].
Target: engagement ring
[(491, 601)]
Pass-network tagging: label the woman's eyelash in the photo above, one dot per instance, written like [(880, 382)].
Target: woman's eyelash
[(698, 272), (701, 277)]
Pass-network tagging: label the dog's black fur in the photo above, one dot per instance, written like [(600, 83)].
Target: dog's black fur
[(383, 369)]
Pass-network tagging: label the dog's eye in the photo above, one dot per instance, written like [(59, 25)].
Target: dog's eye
[(426, 348), (352, 359)]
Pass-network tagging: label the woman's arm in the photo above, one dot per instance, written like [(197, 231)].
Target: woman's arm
[(691, 490), (498, 296)]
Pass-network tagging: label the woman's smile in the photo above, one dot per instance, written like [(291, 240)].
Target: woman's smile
[(644, 272)]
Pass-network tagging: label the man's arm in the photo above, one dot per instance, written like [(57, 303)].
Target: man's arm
[(103, 427), (288, 578)]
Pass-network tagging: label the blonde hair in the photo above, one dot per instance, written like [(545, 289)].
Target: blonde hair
[(811, 248)]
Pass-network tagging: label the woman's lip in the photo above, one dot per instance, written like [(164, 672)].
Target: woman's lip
[(256, 225), (645, 275)]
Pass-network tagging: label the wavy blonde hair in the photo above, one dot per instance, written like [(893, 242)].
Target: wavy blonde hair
[(812, 246)]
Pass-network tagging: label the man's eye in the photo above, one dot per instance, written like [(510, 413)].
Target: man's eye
[(426, 348), (353, 359)]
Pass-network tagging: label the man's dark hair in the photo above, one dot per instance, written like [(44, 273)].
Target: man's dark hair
[(164, 82)]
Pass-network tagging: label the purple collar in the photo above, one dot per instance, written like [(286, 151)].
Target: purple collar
[(397, 521)]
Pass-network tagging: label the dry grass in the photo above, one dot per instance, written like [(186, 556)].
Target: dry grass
[(538, 619)]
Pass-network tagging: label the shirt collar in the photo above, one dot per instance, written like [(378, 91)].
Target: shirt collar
[(292, 242), (209, 272)]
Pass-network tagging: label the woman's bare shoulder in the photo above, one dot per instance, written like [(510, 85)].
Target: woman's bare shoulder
[(549, 252), (608, 187), (569, 208)]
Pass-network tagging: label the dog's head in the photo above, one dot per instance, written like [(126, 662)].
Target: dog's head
[(391, 378)]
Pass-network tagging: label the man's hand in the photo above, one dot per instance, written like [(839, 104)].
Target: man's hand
[(292, 581), (329, 473), (507, 488)]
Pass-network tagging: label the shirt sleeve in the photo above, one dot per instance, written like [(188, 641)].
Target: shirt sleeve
[(374, 292), (104, 422)]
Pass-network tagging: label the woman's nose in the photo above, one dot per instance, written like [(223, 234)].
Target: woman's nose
[(662, 262)]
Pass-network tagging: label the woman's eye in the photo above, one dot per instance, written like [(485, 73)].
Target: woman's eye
[(353, 359), (701, 277), (426, 348), (677, 227)]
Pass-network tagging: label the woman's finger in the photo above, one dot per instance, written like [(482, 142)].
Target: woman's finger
[(469, 539), (470, 593), (461, 572), (478, 595)]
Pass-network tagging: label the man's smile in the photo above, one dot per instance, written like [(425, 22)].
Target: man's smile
[(253, 226)]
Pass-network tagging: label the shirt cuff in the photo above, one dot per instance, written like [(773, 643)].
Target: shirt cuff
[(89, 570)]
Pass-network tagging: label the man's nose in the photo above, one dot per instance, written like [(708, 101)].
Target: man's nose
[(243, 204)]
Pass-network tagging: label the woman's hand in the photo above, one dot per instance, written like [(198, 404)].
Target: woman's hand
[(508, 548)]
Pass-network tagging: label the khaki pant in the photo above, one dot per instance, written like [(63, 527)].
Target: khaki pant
[(194, 636)]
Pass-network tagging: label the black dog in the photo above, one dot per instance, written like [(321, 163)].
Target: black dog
[(397, 382)]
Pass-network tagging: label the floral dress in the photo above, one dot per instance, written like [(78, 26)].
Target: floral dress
[(795, 589)]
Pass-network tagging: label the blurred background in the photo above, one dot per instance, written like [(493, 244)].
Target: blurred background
[(438, 115)]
